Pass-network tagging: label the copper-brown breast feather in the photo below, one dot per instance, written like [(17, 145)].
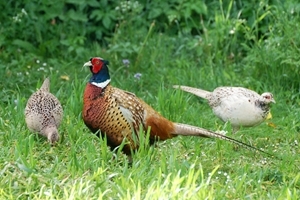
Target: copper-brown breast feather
[(101, 112)]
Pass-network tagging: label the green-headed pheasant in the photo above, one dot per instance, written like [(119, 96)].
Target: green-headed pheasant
[(120, 114), (239, 106), (43, 113)]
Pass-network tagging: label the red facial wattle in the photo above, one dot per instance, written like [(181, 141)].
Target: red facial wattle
[(96, 65)]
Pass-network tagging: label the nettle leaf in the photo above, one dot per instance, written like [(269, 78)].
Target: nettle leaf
[(187, 12), (77, 16), (65, 42), (172, 15), (199, 8), (104, 2), (106, 21), (155, 13), (96, 14), (24, 44), (76, 2), (93, 3)]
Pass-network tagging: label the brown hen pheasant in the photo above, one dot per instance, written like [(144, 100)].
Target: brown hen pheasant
[(120, 114), (43, 113)]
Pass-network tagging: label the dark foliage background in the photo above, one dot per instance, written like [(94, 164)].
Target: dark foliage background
[(258, 37)]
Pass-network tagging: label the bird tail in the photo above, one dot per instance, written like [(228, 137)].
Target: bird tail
[(46, 85), (188, 130), (198, 92)]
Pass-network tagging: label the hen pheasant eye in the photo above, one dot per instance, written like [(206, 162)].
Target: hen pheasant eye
[(120, 116)]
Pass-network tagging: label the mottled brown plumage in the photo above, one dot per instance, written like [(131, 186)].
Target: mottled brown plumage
[(120, 115), (43, 113)]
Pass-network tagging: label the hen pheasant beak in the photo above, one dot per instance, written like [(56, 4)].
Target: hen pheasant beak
[(88, 64), (273, 101)]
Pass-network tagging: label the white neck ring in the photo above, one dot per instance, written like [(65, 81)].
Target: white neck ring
[(102, 84)]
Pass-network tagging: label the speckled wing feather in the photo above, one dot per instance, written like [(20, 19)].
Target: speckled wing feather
[(43, 109), (131, 107), (219, 94), (53, 108)]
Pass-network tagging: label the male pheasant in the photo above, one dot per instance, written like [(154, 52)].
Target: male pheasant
[(239, 106), (43, 113), (120, 115)]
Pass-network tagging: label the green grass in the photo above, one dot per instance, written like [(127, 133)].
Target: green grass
[(81, 166)]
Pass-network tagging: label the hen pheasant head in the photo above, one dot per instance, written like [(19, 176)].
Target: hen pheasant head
[(99, 69), (52, 134), (268, 98)]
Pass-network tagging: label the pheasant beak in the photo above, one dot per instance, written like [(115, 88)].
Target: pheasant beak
[(88, 64), (273, 101)]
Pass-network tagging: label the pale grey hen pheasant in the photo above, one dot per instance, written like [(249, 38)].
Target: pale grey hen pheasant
[(43, 113), (237, 105)]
